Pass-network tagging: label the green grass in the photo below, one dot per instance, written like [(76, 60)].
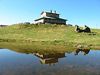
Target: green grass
[(59, 34)]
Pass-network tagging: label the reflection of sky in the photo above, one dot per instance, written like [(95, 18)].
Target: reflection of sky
[(10, 58), (18, 63)]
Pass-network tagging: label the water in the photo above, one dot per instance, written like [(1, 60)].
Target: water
[(85, 62)]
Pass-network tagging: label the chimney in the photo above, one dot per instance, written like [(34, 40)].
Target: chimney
[(55, 11), (50, 11)]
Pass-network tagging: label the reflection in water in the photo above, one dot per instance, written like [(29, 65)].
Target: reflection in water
[(13, 63), (19, 60), (84, 51), (46, 58)]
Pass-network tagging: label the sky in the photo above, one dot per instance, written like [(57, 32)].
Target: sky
[(80, 12)]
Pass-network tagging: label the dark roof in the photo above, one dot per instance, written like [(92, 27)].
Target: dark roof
[(50, 18)]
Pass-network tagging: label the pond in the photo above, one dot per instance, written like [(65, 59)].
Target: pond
[(78, 62)]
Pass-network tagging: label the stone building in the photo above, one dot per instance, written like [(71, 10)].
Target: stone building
[(50, 18)]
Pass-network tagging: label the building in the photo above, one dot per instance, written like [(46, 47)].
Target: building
[(50, 18)]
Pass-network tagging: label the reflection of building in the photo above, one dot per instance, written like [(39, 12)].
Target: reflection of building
[(84, 51), (50, 18), (47, 58)]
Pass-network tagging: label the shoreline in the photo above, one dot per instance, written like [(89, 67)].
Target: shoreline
[(56, 43)]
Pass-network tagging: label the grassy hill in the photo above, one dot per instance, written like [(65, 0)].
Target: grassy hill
[(60, 34)]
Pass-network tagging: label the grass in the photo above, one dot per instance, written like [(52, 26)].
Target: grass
[(50, 34)]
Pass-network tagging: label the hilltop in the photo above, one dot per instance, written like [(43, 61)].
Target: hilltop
[(59, 34)]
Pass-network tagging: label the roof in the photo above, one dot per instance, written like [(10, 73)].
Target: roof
[(50, 18), (48, 12)]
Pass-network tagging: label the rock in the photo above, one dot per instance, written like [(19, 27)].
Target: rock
[(70, 66)]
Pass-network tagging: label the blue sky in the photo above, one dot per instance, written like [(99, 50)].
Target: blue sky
[(80, 12)]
